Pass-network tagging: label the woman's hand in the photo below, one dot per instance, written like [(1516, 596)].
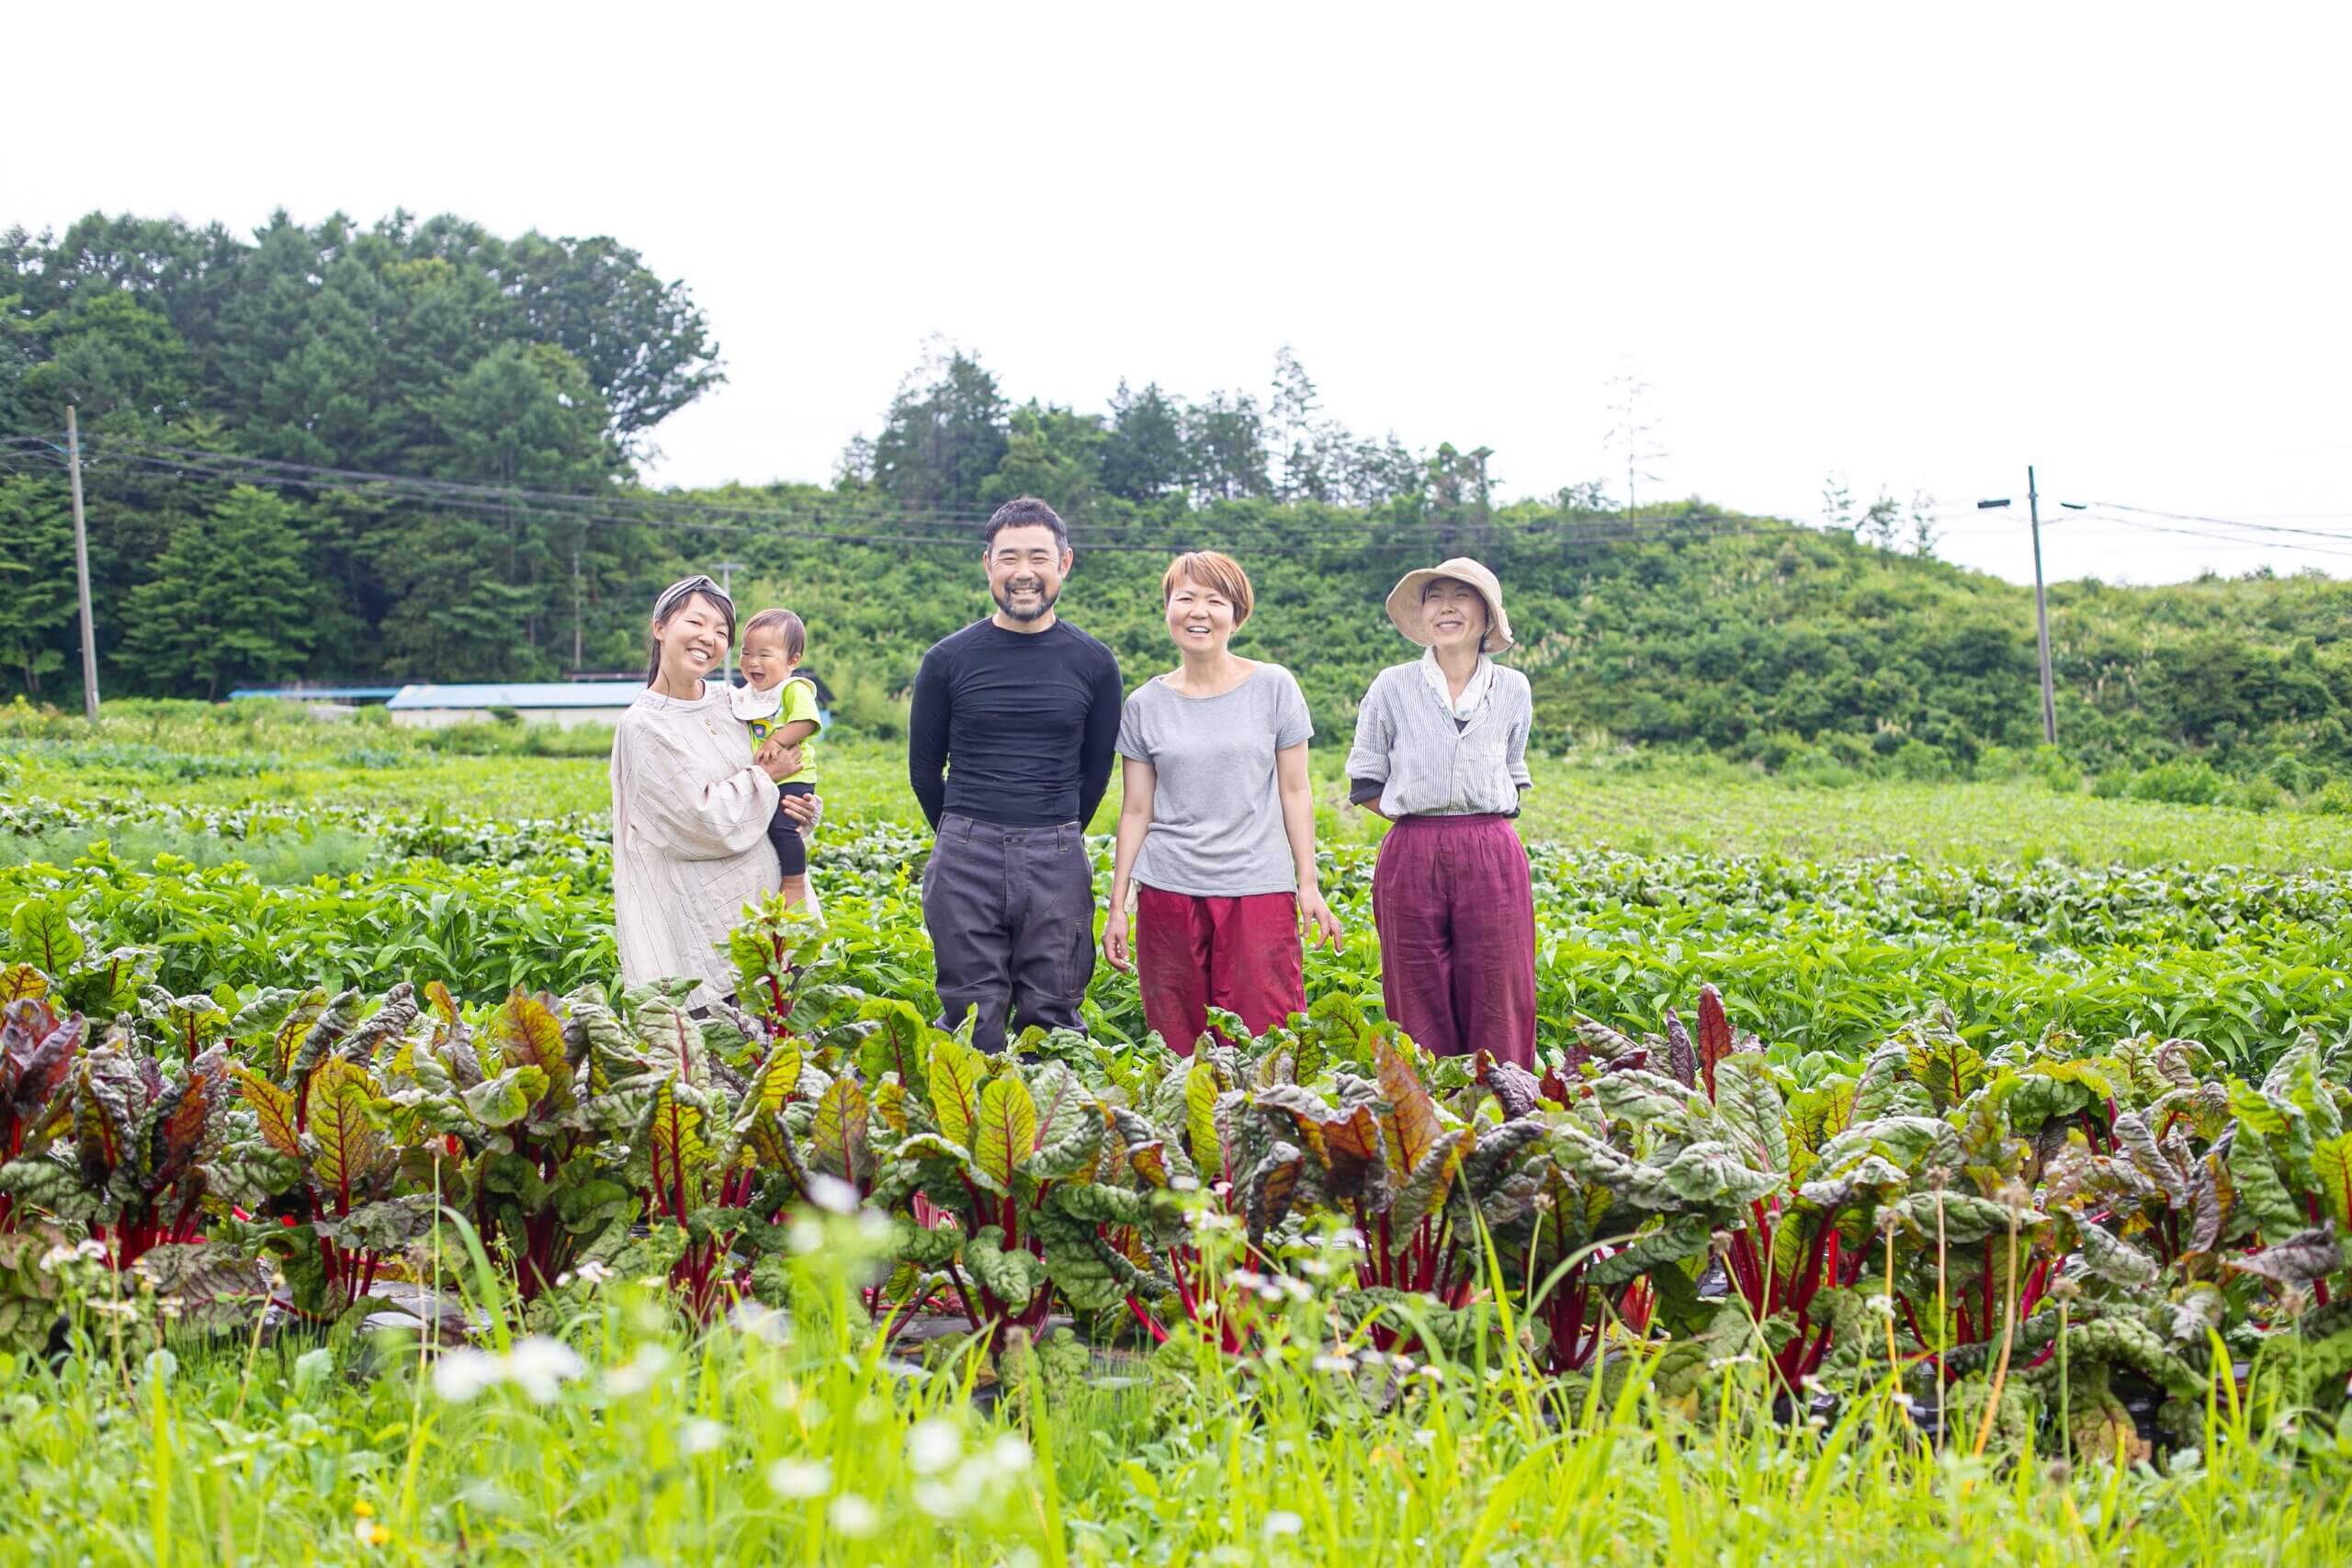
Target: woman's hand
[(1318, 916), (1115, 934), (804, 810), (778, 761)]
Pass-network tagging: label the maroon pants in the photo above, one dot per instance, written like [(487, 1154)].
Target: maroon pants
[(1240, 954), (1456, 917)]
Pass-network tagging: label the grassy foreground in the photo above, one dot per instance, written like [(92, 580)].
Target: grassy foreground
[(608, 1437)]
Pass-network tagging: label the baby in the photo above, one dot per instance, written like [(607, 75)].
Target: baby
[(778, 705)]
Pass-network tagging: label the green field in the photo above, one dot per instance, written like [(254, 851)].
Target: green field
[(1949, 952)]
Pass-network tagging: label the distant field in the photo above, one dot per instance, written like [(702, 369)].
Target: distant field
[(1645, 806)]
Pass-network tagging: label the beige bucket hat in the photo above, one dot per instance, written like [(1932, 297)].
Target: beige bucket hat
[(1405, 600)]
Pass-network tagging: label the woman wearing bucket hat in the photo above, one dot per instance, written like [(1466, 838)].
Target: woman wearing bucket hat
[(1441, 750)]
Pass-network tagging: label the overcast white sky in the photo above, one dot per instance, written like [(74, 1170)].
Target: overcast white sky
[(1917, 247)]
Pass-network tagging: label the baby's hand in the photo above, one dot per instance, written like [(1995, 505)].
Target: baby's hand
[(778, 761)]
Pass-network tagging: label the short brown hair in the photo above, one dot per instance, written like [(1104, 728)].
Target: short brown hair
[(1210, 570), (787, 627)]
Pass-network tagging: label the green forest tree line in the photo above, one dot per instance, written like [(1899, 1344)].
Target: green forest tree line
[(519, 382)]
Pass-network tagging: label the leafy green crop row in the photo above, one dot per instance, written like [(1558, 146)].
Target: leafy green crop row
[(1818, 958), (2040, 1236)]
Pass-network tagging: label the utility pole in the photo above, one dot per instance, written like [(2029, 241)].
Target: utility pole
[(2041, 603), (727, 571), (81, 571), (575, 609), (2041, 613)]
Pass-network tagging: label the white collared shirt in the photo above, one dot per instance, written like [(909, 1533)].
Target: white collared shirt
[(1427, 762)]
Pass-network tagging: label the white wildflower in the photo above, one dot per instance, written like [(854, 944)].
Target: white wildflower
[(932, 1445), (595, 1273), (639, 1372), (1282, 1522), (1882, 1306), (832, 1194), (799, 1478), (1009, 1455), (948, 1498), (701, 1436), (1337, 1364), (463, 1372), (854, 1515), (539, 1366)]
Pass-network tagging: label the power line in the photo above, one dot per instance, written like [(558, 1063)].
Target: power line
[(961, 520), (2228, 523), (2237, 539), (1282, 536)]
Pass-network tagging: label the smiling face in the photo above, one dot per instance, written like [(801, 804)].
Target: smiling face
[(693, 640), (1455, 615), (1026, 566), (1201, 616), (765, 661)]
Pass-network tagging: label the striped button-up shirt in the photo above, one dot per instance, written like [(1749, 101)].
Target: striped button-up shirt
[(1427, 763)]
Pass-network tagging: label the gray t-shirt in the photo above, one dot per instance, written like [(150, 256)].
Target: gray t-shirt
[(1216, 810)]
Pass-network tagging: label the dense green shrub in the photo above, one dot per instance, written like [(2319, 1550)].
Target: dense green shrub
[(2182, 784)]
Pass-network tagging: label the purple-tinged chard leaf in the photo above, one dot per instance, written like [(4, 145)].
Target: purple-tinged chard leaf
[(2298, 1261), (187, 1117), (1715, 1036), (1514, 1088), (1682, 1056)]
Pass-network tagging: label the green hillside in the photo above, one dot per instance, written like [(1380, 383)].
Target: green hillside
[(410, 451), (1782, 645)]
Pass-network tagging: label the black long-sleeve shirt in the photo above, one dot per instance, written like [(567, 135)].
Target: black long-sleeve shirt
[(1022, 724)]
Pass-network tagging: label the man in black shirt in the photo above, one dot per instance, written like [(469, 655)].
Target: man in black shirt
[(1020, 713)]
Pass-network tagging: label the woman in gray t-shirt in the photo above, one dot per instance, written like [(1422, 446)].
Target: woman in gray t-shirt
[(1217, 824)]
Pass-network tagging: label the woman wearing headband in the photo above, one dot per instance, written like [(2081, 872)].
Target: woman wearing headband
[(690, 815)]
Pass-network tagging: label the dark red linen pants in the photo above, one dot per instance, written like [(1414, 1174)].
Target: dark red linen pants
[(1456, 916), (1194, 954)]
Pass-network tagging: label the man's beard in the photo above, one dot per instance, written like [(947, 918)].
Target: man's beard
[(1045, 607)]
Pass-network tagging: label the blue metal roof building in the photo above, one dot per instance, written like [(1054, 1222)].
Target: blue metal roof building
[(317, 694), (558, 702)]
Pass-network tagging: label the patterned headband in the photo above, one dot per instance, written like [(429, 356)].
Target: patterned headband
[(678, 592)]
